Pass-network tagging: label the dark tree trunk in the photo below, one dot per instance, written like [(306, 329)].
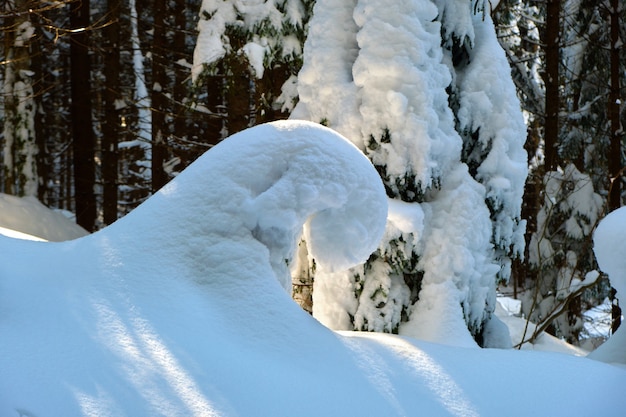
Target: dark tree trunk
[(181, 72), (615, 154), (111, 125), (82, 133), (551, 80), (159, 131)]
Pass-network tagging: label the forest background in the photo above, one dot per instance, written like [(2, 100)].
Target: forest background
[(99, 110)]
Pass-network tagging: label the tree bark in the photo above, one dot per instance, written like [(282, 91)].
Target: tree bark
[(182, 73), (111, 125), (551, 80), (159, 131), (83, 144), (20, 145), (615, 153)]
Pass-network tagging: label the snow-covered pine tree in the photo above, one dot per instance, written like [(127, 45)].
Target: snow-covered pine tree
[(255, 49), (374, 71), (489, 119)]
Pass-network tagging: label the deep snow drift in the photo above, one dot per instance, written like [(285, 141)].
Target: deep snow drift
[(177, 309)]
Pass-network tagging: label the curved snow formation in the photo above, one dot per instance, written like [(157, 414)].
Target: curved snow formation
[(610, 251), (175, 310), (265, 183)]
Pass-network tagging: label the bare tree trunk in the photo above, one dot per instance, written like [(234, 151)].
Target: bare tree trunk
[(615, 154), (82, 133), (180, 91), (302, 282), (551, 80), (111, 125), (159, 131), (20, 146)]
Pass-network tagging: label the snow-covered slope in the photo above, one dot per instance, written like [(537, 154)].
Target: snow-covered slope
[(178, 308), (27, 218)]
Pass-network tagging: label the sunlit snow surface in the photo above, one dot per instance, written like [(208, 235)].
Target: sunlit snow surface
[(35, 221), (610, 251), (178, 308)]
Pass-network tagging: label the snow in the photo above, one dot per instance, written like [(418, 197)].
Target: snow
[(489, 108), (608, 246), (255, 52), (374, 71), (176, 309), (459, 280), (520, 330), (16, 220)]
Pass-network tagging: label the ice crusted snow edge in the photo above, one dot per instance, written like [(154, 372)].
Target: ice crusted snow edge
[(281, 176)]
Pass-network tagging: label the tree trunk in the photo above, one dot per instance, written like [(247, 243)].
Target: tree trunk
[(181, 72), (551, 80), (615, 153), (111, 125), (302, 282), (20, 147), (159, 81), (82, 133)]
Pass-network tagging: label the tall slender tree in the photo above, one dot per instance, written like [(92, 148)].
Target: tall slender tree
[(551, 75), (615, 156), (83, 138), (20, 145), (159, 82), (111, 125)]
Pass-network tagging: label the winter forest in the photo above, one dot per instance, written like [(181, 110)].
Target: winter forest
[(438, 174)]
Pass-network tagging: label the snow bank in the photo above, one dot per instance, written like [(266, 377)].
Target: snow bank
[(608, 246), (29, 217)]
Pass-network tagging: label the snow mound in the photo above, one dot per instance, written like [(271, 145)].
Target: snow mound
[(21, 217), (175, 310)]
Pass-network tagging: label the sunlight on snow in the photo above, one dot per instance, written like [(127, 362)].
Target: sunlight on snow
[(147, 362), (442, 385), (375, 370), (96, 406), (19, 235), (438, 381)]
